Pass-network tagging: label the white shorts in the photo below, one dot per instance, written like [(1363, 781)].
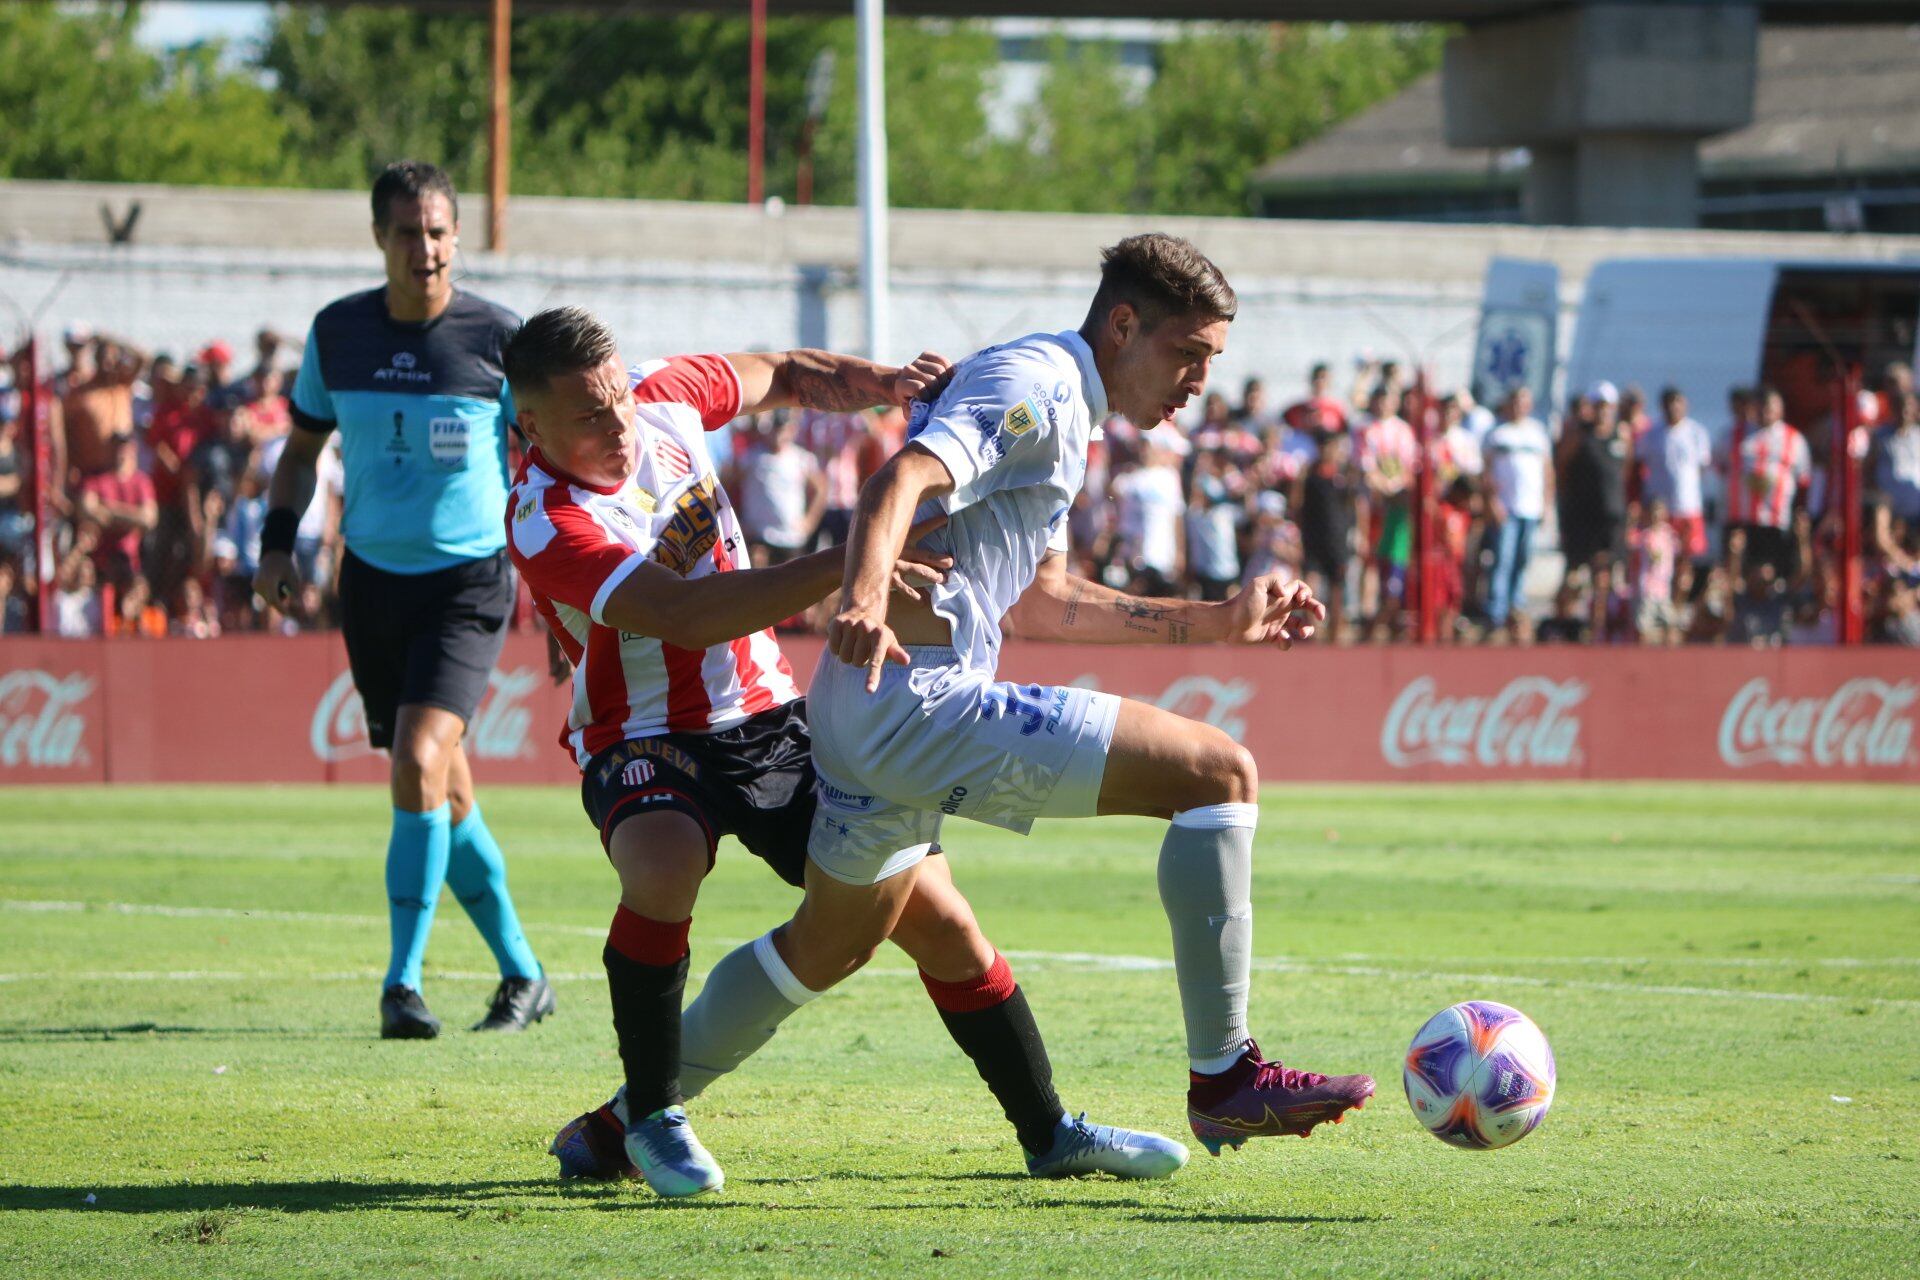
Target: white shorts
[(940, 739)]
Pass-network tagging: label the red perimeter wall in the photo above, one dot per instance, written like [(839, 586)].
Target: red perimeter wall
[(269, 709)]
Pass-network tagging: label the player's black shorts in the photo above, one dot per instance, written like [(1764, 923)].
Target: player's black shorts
[(429, 638), (753, 781)]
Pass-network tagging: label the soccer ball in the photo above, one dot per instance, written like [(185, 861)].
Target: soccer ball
[(1479, 1075)]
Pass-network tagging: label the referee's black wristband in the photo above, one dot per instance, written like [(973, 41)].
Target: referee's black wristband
[(283, 525)]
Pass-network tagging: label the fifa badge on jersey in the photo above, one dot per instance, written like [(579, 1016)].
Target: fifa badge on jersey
[(448, 440), (1020, 419)]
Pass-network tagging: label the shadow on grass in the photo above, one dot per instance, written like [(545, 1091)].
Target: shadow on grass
[(508, 1199), (1162, 1214), (287, 1197), (156, 1030)]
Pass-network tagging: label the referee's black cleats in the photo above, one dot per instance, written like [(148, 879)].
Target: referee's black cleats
[(404, 1016), (518, 1003)]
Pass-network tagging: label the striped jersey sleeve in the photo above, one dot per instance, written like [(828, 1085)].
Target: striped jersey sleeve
[(709, 384)]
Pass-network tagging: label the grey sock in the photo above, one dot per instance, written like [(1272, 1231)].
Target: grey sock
[(742, 1003), (1206, 883)]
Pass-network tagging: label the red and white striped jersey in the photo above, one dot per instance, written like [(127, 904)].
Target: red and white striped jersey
[(575, 542), (1772, 465)]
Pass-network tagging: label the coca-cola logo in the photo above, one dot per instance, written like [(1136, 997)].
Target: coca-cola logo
[(1865, 721), (1528, 724), (1201, 698), (500, 729), (42, 722)]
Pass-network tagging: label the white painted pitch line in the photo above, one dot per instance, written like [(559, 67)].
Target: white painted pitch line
[(1089, 959), (1058, 957), (241, 913)]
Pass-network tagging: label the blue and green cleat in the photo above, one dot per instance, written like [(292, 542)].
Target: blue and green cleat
[(1080, 1148), (670, 1158)]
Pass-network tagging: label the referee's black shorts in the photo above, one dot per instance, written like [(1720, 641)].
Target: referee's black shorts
[(427, 638)]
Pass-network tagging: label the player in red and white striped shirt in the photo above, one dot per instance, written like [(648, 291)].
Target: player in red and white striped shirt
[(687, 725), (1766, 474)]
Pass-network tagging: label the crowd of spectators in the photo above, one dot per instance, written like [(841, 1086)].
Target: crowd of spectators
[(1667, 530), (158, 474)]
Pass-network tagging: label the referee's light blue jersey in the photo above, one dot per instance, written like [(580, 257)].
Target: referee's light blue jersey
[(423, 413)]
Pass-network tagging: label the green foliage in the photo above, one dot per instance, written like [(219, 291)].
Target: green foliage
[(81, 99), (614, 105)]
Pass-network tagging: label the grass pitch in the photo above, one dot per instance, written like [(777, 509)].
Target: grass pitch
[(191, 1082)]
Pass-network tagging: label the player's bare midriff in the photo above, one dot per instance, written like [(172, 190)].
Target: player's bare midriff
[(915, 622)]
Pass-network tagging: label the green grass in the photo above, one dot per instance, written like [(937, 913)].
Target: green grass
[(1714, 965)]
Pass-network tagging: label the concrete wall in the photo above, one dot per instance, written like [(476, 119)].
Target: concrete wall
[(210, 263)]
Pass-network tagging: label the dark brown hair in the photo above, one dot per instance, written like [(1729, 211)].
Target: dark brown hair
[(410, 179), (1160, 276), (558, 341)]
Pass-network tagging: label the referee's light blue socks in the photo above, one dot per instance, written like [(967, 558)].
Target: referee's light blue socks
[(416, 868), (477, 874)]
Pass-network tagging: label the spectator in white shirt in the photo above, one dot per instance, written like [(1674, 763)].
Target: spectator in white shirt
[(1152, 506), (782, 498), (1676, 457), (1519, 477)]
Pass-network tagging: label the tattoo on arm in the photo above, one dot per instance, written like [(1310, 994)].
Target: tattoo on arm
[(818, 381), (1073, 604), (1144, 615)]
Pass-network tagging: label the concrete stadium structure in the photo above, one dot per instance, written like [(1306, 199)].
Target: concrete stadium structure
[(214, 262)]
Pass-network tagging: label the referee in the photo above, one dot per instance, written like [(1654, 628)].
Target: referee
[(410, 376)]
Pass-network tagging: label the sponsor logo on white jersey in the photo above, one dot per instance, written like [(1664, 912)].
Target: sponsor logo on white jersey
[(1528, 724), (501, 728), (43, 721), (1866, 721)]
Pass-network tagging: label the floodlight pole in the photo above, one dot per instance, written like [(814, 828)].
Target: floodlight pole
[(498, 128), (873, 177)]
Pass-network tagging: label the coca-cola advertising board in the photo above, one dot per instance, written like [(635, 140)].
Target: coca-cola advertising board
[(270, 709)]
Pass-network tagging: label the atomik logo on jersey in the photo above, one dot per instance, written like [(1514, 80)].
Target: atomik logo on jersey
[(403, 369), (1528, 724)]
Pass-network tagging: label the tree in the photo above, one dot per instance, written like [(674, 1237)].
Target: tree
[(84, 101)]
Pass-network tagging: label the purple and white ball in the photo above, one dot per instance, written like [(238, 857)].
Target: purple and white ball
[(1479, 1075)]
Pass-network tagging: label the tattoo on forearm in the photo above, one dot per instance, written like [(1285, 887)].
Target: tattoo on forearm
[(817, 385), (1073, 604), (1154, 619)]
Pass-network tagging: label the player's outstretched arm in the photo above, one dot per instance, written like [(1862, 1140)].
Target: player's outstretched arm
[(694, 613), (811, 379), (1063, 607), (859, 635)]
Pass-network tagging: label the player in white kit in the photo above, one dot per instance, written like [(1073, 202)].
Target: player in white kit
[(911, 723), (687, 727)]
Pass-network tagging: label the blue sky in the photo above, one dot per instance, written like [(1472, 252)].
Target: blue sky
[(164, 23)]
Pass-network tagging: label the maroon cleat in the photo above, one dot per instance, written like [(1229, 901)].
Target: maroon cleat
[(593, 1146), (1255, 1099)]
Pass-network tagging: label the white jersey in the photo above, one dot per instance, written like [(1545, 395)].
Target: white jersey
[(575, 542), (1012, 428)]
